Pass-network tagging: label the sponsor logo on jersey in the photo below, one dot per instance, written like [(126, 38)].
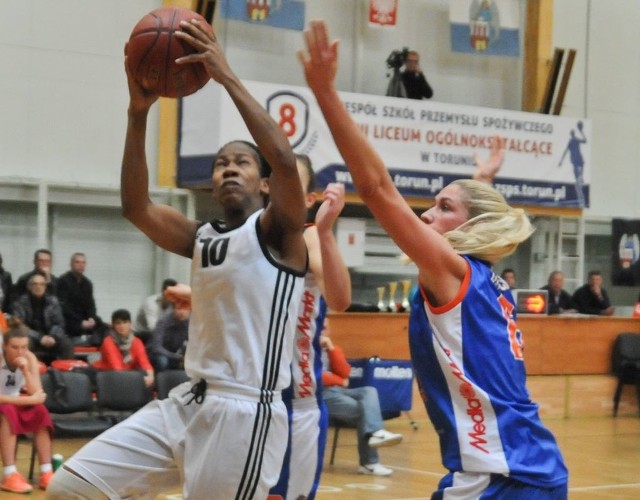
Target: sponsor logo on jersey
[(474, 410), (304, 345), (499, 282)]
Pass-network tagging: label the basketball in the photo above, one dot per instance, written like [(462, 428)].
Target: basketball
[(153, 49)]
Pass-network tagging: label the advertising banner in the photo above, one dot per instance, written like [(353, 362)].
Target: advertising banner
[(424, 144)]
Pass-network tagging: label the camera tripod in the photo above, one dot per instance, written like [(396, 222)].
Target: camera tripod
[(396, 87)]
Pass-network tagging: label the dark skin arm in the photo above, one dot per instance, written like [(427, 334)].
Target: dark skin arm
[(164, 225)]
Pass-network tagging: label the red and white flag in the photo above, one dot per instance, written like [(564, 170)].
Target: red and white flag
[(383, 12)]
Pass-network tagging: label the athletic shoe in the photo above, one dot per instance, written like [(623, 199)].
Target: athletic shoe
[(45, 479), (375, 470), (384, 438), (15, 483)]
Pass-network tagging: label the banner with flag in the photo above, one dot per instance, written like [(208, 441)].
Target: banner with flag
[(383, 13), (487, 27), (285, 14), (625, 262)]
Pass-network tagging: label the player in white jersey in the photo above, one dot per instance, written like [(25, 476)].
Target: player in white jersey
[(453, 245), (327, 281), (22, 409), (222, 435)]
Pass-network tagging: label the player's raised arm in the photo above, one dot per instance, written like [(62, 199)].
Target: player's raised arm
[(164, 225), (423, 245)]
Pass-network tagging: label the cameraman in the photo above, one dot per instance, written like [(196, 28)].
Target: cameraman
[(415, 83)]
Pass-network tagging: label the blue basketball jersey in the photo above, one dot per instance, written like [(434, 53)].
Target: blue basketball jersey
[(468, 358)]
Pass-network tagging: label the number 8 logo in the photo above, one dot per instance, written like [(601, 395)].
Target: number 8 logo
[(291, 112)]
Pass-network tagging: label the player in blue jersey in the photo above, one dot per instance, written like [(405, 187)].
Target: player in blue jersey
[(465, 344)]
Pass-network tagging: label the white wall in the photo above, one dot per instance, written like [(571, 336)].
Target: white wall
[(63, 92)]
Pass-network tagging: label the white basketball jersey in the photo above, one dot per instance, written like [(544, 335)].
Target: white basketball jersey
[(10, 382), (244, 308)]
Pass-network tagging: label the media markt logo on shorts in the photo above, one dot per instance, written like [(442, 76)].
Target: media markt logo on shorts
[(393, 372), (291, 112)]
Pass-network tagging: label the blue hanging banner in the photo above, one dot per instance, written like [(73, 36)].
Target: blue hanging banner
[(285, 14), (485, 27)]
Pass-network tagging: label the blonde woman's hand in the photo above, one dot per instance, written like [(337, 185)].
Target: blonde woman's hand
[(487, 170), (320, 61)]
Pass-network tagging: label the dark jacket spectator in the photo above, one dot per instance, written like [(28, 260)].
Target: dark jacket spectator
[(169, 339), (42, 314), (42, 261), (75, 292), (413, 79), (560, 300), (591, 298)]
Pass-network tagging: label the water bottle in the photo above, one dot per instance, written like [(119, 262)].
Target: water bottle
[(56, 461)]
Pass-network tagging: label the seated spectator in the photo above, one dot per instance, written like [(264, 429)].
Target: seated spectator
[(168, 341), (42, 314), (358, 406), (6, 285), (75, 292), (559, 299), (22, 409), (509, 275), (591, 298), (42, 261), (150, 311), (122, 350)]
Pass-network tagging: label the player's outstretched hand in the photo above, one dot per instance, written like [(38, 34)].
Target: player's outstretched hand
[(140, 99), (487, 170), (331, 206), (320, 61), (179, 295)]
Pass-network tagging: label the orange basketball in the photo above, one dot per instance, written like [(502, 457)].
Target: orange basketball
[(153, 49)]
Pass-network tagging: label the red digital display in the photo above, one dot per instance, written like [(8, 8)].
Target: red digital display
[(531, 301)]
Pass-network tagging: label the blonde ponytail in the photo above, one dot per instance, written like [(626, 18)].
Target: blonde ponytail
[(494, 229)]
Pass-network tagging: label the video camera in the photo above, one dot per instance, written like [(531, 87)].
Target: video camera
[(397, 58)]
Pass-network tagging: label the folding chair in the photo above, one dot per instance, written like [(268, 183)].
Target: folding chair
[(625, 365), (167, 380)]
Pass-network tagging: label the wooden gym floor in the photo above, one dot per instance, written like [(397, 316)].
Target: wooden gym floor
[(602, 453)]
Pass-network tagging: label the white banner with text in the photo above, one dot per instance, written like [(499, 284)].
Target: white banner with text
[(424, 144)]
